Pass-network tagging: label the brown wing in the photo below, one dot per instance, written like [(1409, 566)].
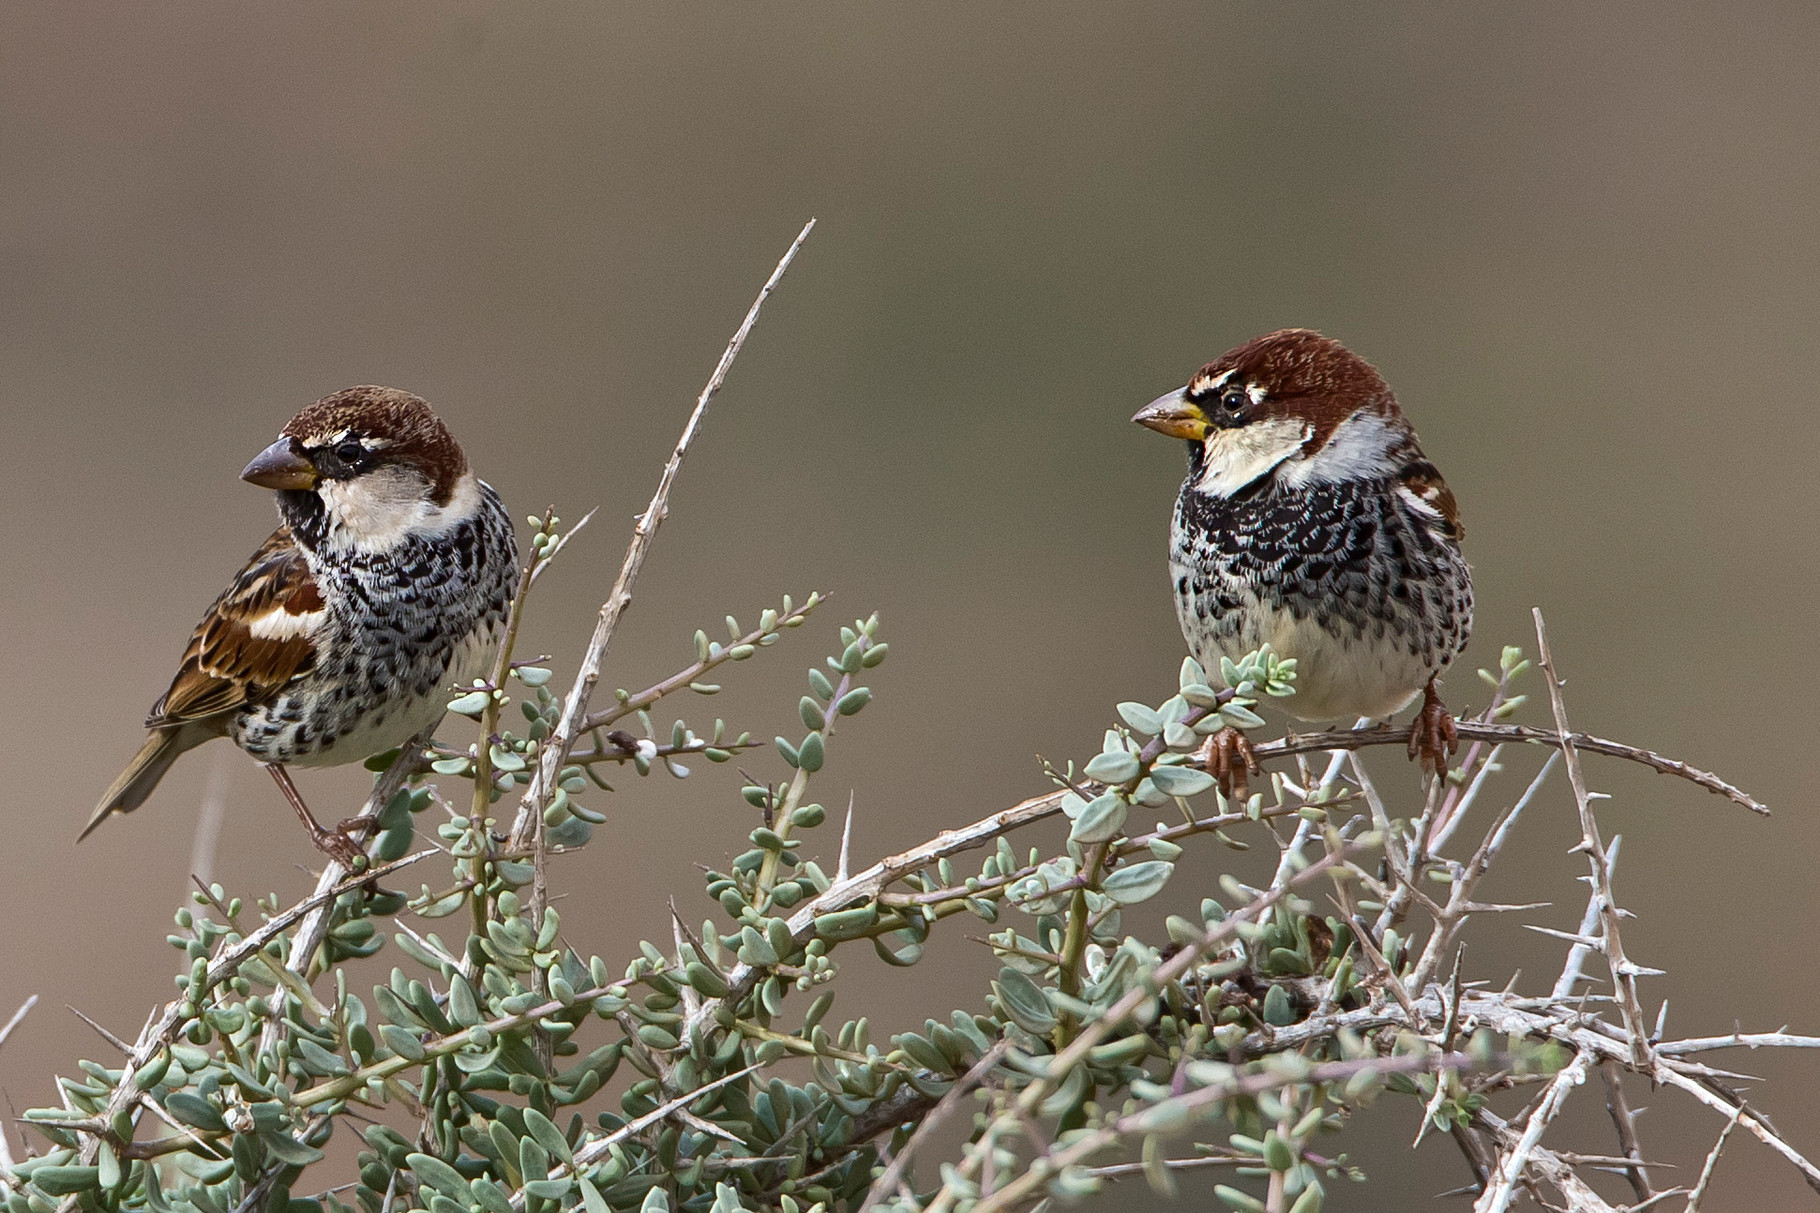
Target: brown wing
[(1424, 481), (254, 639)]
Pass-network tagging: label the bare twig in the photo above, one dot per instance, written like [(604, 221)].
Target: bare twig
[(885, 1184), (1624, 1119), (1712, 1161), (24, 1008), (599, 1148), (1611, 944), (1473, 730), (1497, 1196), (575, 706), (6, 1153)]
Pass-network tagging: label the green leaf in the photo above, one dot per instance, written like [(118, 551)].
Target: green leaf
[(755, 949), (1137, 882), (548, 1135), (195, 1111), (810, 753), (1141, 717), (1242, 1201), (439, 1175), (1279, 1010), (1101, 820), (1025, 1002), (288, 1150), (65, 1181), (811, 712), (1200, 694), (1113, 766), (1240, 717), (471, 704), (1180, 781), (846, 924)]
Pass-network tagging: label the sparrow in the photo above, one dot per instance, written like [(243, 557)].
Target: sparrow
[(387, 584), (1310, 520)]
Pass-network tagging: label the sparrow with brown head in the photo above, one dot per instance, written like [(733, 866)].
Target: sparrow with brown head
[(387, 585), (1310, 520)]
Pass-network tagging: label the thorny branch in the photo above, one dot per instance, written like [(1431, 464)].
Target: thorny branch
[(575, 706)]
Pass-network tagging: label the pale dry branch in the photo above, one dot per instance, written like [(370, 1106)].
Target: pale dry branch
[(894, 1174), (1509, 1169), (1712, 1162), (575, 705)]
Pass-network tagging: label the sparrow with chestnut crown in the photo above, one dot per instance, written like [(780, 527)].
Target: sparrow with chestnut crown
[(387, 584), (1311, 521)]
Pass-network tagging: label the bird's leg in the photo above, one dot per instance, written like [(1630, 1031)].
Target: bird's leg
[(1432, 737), (338, 844), (1228, 758)]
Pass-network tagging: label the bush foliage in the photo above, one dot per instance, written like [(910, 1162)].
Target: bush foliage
[(497, 1069)]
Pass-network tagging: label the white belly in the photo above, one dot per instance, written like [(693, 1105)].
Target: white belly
[(1338, 678), (403, 718)]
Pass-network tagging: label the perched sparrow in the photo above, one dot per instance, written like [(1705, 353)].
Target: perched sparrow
[(387, 584), (1310, 520)]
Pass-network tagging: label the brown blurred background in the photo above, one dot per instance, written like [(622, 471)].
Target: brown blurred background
[(1583, 244)]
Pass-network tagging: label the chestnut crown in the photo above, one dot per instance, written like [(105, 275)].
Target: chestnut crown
[(360, 429)]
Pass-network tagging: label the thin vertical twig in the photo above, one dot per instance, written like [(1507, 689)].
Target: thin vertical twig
[(885, 1184), (1712, 1161), (1509, 1171), (6, 1153), (1623, 972), (1625, 1121), (575, 706)]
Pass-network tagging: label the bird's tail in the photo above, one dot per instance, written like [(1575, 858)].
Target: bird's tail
[(142, 774)]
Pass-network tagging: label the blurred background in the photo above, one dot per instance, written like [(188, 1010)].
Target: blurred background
[(1581, 243)]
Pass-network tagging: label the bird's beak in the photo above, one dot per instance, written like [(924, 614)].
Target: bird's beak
[(1175, 415), (280, 466)]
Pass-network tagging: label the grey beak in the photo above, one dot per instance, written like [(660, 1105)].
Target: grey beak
[(280, 466)]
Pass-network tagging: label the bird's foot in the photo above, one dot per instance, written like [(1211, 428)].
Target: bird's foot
[(344, 843), (1432, 737), (340, 843), (1228, 757)]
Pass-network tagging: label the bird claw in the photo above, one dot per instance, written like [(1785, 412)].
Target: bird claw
[(1432, 737), (345, 843), (1228, 757)]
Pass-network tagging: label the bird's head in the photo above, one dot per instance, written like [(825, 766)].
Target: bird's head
[(1293, 402), (366, 467)]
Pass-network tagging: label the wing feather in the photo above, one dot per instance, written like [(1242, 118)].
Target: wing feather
[(253, 640)]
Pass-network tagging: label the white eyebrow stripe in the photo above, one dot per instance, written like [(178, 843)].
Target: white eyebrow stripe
[(1197, 385)]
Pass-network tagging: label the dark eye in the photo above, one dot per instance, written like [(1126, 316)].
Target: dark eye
[(350, 452), (1234, 400)]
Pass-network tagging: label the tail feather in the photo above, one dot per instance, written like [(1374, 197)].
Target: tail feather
[(143, 773)]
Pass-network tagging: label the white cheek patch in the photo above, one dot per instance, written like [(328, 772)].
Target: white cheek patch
[(1360, 448), (380, 509), (1236, 458)]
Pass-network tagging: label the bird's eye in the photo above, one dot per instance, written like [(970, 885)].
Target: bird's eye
[(1234, 400), (350, 451)]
